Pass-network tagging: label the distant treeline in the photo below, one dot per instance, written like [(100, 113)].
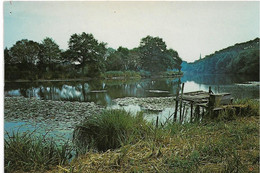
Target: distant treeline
[(86, 57), (242, 58)]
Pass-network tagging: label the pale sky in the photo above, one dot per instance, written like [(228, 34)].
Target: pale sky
[(191, 28)]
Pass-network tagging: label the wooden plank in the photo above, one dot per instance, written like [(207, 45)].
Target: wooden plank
[(204, 105), (194, 92)]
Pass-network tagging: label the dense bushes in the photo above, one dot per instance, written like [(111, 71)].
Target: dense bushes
[(241, 58)]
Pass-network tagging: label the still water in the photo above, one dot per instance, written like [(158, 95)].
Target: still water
[(104, 91)]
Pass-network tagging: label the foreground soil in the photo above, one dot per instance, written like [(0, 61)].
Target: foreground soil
[(227, 146)]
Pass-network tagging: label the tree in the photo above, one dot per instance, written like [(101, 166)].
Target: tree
[(24, 57), (50, 53), (175, 60), (86, 50), (7, 57), (123, 53), (123, 59), (154, 54), (114, 62), (25, 52), (134, 59)]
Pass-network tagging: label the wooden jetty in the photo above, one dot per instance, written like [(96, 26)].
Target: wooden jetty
[(200, 102)]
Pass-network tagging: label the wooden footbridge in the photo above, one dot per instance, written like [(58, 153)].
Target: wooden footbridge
[(200, 102)]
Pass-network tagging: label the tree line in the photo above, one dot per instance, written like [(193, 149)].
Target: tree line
[(242, 58), (85, 57)]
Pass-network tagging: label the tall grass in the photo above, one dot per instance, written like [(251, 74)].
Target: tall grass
[(109, 130), (26, 152), (253, 106)]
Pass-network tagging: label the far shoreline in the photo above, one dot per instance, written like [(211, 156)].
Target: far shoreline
[(88, 79)]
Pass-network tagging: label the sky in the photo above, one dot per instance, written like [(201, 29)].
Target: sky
[(190, 28)]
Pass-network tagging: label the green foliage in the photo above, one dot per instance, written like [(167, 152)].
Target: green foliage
[(241, 58), (25, 51), (86, 57), (108, 130), (86, 50), (123, 60), (155, 57), (23, 151), (50, 53)]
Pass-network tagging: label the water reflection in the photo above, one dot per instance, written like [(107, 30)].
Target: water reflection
[(104, 91)]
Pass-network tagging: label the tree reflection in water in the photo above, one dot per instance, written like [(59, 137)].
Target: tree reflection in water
[(111, 89)]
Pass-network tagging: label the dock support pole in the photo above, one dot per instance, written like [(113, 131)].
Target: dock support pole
[(191, 111), (176, 104), (182, 87)]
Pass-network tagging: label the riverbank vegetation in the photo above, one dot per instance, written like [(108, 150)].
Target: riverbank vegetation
[(87, 57), (242, 58), (116, 141), (27, 152)]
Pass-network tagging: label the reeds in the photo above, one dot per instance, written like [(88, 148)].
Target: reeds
[(230, 146), (109, 130), (27, 152), (116, 141)]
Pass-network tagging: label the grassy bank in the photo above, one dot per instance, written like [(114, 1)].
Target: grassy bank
[(116, 141), (141, 74), (121, 74), (25, 152), (209, 147)]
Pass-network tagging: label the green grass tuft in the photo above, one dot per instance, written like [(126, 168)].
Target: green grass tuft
[(109, 130), (26, 152)]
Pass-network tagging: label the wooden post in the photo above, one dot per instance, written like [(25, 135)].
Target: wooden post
[(183, 112), (182, 87), (197, 112), (157, 122), (191, 111), (210, 91), (176, 104)]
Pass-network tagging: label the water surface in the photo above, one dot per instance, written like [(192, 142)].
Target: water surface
[(104, 91)]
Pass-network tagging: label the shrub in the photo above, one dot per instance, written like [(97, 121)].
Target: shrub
[(111, 74), (23, 151), (108, 130)]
